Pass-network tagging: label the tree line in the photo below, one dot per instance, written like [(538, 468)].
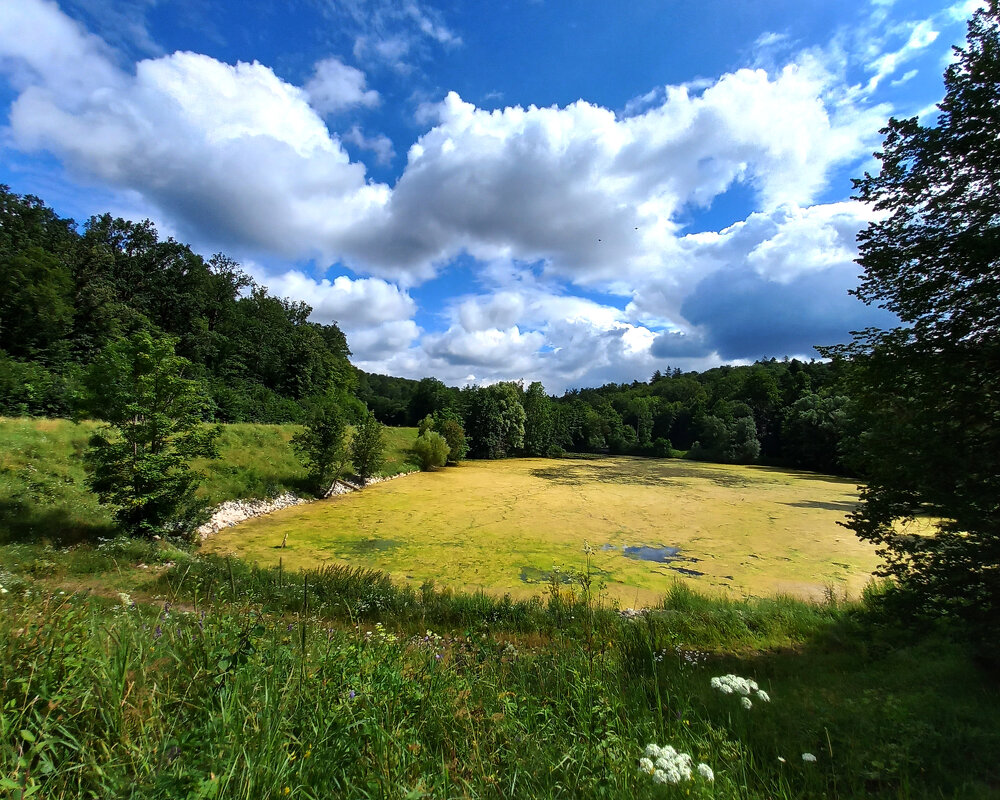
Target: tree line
[(787, 412)]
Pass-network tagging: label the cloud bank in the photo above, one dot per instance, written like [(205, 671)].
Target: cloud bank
[(574, 215)]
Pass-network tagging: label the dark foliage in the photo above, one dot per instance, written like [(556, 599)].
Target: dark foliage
[(928, 392), (65, 296)]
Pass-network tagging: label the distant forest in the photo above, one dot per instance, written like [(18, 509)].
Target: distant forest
[(65, 294)]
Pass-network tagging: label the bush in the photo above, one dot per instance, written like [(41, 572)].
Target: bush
[(431, 449), (661, 448)]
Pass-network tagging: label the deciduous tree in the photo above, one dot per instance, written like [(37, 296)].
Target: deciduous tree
[(928, 392)]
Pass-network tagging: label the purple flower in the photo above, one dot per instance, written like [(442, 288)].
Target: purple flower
[(157, 633), (351, 694)]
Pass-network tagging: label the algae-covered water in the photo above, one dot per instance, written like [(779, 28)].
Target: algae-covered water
[(514, 525)]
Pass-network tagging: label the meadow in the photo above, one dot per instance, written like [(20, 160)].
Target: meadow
[(152, 669), (514, 526)]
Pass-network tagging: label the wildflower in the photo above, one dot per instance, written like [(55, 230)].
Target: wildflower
[(745, 687), (667, 765), (2, 590), (809, 758), (157, 633), (125, 599), (781, 759)]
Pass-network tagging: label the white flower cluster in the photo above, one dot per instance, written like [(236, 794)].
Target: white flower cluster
[(2, 590), (745, 687), (667, 765)]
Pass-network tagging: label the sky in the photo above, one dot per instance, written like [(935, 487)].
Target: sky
[(571, 192)]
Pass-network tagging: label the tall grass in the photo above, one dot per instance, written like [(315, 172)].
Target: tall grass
[(240, 682)]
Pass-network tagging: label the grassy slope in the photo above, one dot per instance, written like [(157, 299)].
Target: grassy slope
[(239, 688), (42, 491)]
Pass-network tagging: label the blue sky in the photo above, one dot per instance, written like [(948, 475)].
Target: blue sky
[(565, 192)]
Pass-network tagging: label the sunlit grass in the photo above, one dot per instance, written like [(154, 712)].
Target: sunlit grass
[(505, 526), (42, 480)]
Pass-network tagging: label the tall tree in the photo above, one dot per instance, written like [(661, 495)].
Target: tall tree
[(368, 447), (537, 421), (928, 392)]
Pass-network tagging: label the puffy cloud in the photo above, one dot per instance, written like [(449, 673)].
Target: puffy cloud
[(335, 86), (506, 352), (351, 303), (233, 155), (382, 341), (374, 315), (380, 145)]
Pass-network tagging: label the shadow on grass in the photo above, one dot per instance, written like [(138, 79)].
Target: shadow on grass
[(838, 505), (21, 522)]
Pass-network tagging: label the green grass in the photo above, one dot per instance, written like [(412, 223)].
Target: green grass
[(232, 681), (43, 493)]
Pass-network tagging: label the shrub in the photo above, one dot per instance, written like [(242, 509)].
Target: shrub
[(431, 449), (454, 435)]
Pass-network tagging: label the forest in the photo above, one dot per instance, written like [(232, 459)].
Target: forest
[(66, 294)]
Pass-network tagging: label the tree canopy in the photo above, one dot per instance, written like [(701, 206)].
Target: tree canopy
[(927, 393)]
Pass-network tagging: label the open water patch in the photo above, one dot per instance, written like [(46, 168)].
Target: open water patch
[(663, 554)]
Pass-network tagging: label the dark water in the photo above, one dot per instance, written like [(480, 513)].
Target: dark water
[(661, 555)]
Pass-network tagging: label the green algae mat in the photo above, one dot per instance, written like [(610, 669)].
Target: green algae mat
[(520, 526)]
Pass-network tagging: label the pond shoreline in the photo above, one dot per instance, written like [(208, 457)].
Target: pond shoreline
[(233, 512)]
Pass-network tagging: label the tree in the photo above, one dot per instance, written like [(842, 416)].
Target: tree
[(322, 443), (813, 431), (537, 421), (494, 419), (928, 392), (450, 427), (138, 463), (431, 450), (368, 447)]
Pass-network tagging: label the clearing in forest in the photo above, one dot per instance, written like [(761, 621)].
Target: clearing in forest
[(506, 526)]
